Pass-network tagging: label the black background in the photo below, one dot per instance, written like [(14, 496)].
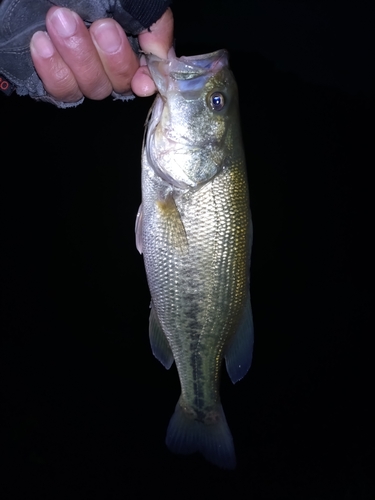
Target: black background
[(85, 405)]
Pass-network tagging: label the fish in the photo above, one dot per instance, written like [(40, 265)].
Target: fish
[(194, 230)]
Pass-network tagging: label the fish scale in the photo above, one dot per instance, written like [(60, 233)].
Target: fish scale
[(194, 230)]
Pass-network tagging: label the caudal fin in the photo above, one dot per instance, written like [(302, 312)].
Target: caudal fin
[(186, 435)]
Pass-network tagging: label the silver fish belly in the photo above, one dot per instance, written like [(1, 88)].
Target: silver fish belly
[(194, 230)]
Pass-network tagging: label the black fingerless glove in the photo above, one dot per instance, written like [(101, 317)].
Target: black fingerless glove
[(20, 19)]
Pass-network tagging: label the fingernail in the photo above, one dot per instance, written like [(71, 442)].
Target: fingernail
[(64, 22), (107, 37), (42, 44)]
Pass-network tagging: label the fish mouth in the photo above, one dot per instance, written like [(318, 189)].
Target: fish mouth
[(211, 62), (198, 63), (186, 72)]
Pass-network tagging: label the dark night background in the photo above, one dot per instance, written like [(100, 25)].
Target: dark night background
[(85, 405)]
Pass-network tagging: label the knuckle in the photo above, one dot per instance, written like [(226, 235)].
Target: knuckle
[(64, 85)]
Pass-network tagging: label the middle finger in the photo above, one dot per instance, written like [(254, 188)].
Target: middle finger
[(72, 40)]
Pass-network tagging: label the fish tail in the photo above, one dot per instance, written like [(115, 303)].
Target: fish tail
[(186, 435)]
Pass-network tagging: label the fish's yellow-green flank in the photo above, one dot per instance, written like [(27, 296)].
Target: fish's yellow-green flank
[(194, 230)]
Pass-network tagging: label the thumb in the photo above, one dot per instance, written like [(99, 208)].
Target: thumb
[(159, 38)]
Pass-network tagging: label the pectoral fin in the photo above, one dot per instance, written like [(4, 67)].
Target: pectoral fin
[(159, 343), (240, 352), (138, 229), (174, 230)]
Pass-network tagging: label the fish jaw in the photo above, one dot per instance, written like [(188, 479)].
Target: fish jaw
[(185, 73)]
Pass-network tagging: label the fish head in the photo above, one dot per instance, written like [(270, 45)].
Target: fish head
[(187, 136)]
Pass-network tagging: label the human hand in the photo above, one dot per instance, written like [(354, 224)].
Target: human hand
[(73, 61)]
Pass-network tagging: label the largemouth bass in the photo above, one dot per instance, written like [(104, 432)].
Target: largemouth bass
[(194, 230)]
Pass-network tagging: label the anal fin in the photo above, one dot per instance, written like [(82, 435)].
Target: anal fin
[(159, 343)]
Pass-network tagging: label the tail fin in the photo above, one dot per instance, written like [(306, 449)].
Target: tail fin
[(186, 435)]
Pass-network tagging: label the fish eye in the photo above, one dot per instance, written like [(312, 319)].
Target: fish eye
[(217, 101)]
